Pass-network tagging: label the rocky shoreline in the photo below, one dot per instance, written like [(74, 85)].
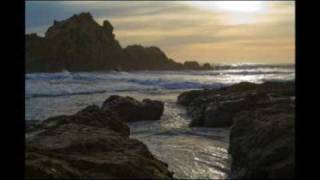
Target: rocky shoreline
[(261, 117), (93, 143)]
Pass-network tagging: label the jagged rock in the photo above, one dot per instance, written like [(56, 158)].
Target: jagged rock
[(192, 65), (153, 110), (91, 144), (81, 44), (262, 142), (129, 109), (262, 120), (75, 44), (207, 66), (151, 58), (107, 26), (217, 107)]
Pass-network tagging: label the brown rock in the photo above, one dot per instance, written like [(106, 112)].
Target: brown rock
[(89, 144), (262, 139), (129, 109)]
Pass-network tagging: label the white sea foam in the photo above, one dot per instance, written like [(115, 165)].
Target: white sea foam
[(66, 83), (199, 153)]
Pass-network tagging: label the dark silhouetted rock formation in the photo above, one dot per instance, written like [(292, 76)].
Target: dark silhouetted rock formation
[(207, 66), (91, 144), (191, 65), (148, 58), (75, 44), (130, 110), (261, 117), (81, 44)]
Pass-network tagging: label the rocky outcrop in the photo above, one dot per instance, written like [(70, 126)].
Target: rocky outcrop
[(130, 110), (217, 107), (150, 58), (262, 142), (81, 44), (261, 117), (75, 44), (207, 66), (92, 143), (194, 65)]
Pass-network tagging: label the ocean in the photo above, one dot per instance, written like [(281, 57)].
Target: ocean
[(190, 152)]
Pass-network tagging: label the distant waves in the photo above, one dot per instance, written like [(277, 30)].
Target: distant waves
[(82, 83)]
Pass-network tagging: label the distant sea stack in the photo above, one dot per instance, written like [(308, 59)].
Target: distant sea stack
[(81, 44)]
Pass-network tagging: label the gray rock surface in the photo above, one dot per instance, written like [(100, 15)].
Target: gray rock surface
[(261, 117), (130, 110), (91, 144)]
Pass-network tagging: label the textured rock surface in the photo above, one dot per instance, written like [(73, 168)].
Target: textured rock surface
[(89, 144), (216, 108), (262, 142), (75, 44), (129, 109), (81, 44), (261, 116)]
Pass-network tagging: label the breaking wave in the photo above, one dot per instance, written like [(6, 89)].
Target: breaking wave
[(82, 83)]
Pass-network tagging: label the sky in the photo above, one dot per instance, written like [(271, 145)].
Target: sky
[(221, 32)]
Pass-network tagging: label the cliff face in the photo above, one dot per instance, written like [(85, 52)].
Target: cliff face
[(81, 44), (151, 58), (75, 44)]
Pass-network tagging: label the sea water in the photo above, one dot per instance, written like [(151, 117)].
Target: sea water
[(189, 152)]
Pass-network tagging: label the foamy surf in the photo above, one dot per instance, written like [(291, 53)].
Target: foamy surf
[(189, 152)]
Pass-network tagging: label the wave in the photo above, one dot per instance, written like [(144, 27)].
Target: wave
[(64, 94), (47, 76), (148, 86), (258, 72), (192, 85), (253, 66), (83, 83), (167, 84)]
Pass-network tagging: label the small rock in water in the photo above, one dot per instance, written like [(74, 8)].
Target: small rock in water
[(130, 110)]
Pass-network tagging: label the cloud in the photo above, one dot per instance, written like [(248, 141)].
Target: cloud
[(184, 31)]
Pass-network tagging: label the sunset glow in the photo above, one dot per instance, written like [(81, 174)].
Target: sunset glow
[(206, 31), (232, 6)]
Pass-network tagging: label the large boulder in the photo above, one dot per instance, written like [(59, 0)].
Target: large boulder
[(151, 58), (130, 110), (206, 66), (92, 144), (261, 117), (262, 142), (194, 65), (153, 110), (217, 107)]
